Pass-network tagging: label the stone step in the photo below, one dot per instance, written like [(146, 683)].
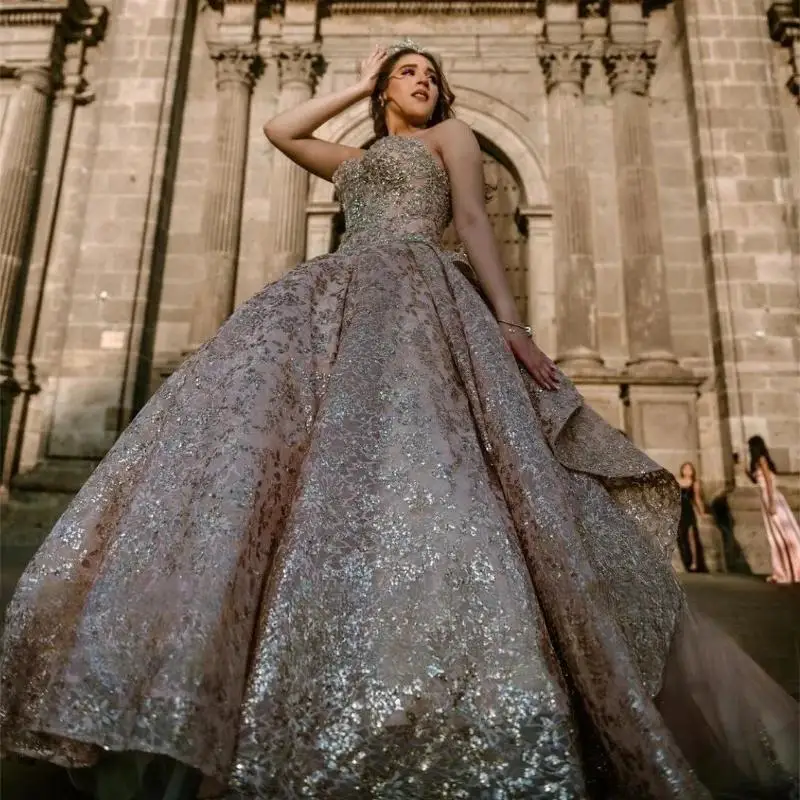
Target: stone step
[(27, 517)]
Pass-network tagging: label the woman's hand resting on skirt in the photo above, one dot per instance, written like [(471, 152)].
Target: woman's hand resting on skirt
[(540, 367)]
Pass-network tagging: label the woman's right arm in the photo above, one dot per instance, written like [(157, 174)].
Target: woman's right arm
[(292, 131)]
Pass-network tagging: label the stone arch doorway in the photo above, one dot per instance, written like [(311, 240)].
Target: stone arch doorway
[(504, 206)]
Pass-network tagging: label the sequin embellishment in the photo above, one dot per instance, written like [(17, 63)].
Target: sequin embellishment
[(346, 551)]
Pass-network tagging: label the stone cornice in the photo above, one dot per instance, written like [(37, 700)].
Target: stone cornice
[(77, 16), (625, 380), (586, 9), (62, 22), (432, 7), (32, 13), (219, 5)]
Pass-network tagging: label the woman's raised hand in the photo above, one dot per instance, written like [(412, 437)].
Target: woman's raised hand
[(370, 67)]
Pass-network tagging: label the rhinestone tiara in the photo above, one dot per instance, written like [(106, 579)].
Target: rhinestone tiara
[(410, 44)]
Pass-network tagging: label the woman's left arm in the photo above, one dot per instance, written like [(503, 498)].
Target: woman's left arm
[(462, 158)]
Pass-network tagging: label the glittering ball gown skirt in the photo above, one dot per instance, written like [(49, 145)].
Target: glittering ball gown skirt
[(348, 550)]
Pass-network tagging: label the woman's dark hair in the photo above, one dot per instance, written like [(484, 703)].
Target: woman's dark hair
[(444, 104), (758, 449)]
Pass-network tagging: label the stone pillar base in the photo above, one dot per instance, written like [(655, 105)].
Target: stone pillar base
[(657, 365), (602, 392), (54, 476), (582, 362), (661, 416)]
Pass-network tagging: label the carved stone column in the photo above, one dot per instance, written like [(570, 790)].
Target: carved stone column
[(237, 67), (630, 68), (20, 181), (565, 69), (541, 316), (299, 67)]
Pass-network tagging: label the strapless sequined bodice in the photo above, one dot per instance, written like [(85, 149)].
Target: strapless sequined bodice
[(396, 191)]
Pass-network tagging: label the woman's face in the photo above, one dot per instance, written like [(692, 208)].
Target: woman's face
[(687, 471), (412, 90)]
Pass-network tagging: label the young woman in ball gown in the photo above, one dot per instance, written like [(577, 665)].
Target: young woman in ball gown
[(368, 542)]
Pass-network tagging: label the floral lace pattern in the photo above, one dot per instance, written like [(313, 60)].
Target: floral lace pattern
[(348, 551)]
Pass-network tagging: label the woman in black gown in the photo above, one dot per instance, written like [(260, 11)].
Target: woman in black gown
[(689, 544)]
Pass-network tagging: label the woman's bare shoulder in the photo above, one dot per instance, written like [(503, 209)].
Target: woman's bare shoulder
[(454, 141), (449, 128)]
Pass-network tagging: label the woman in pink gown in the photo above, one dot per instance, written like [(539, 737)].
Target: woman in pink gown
[(780, 523), (367, 542)]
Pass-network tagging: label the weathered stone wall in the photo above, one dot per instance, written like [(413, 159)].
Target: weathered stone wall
[(119, 250), (680, 223), (108, 232), (742, 141)]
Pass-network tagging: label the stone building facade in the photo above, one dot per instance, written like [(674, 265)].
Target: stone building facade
[(644, 159)]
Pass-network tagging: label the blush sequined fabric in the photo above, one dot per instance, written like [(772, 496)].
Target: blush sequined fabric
[(348, 550)]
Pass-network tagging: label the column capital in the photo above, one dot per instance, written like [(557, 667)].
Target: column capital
[(41, 77), (565, 63), (783, 19), (236, 63), (793, 84), (86, 22), (630, 67), (298, 63)]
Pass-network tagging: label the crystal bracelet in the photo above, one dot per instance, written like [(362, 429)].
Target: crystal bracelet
[(526, 329)]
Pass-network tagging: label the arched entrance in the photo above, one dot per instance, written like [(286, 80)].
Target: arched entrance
[(504, 201)]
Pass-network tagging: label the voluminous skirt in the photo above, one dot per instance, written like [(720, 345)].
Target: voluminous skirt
[(349, 550)]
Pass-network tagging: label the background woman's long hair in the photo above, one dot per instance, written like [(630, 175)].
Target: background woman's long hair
[(444, 104), (758, 449), (693, 468)]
